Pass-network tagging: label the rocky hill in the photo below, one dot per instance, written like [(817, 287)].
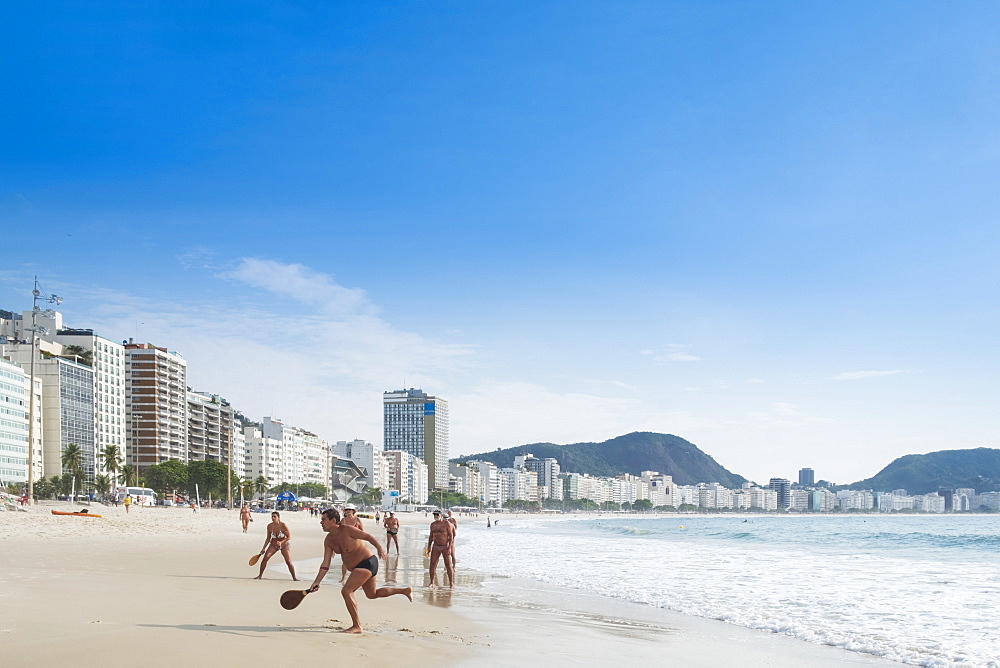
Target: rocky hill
[(631, 453)]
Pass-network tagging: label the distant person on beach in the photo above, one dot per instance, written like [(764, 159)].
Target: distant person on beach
[(277, 538), (454, 523), (487, 521), (350, 519), (442, 535), (245, 518), (347, 541), (128, 502), (391, 525)]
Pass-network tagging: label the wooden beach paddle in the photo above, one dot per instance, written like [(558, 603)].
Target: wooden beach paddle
[(291, 598), (254, 559)]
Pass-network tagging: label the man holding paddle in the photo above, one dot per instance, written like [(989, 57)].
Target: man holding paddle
[(348, 542)]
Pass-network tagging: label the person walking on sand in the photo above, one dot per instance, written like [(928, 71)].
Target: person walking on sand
[(391, 525), (442, 535), (348, 542), (128, 502), (350, 519), (245, 518), (277, 538)]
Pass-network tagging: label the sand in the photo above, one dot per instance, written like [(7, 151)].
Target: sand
[(167, 587)]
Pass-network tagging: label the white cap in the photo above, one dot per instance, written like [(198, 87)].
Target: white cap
[(349, 506)]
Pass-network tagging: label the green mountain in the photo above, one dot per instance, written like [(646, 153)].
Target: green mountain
[(631, 453), (948, 469)]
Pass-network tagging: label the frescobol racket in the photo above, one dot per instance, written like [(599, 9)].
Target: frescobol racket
[(254, 559), (291, 598)]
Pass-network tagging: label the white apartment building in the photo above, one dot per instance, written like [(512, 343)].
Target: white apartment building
[(417, 423), (368, 457), (108, 362), (929, 503), (239, 448), (849, 499), (491, 490), (798, 500), (13, 423), (470, 479), (264, 456), (660, 488), (517, 484), (304, 456), (547, 469), (409, 475)]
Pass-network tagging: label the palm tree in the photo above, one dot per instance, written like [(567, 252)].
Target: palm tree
[(111, 459), (103, 484), (82, 355), (127, 475), (260, 485)]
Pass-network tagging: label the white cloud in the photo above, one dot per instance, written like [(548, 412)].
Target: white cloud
[(323, 367), (855, 375), (318, 291), (672, 352)]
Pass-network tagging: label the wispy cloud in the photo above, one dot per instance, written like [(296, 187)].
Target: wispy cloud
[(320, 291), (856, 375), (672, 352)]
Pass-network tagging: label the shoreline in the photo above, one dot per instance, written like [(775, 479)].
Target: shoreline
[(173, 586)]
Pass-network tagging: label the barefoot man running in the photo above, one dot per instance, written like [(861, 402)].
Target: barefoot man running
[(347, 542), (391, 525), (442, 535)]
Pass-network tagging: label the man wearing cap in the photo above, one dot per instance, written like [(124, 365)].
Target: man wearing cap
[(391, 525), (439, 542), (350, 520)]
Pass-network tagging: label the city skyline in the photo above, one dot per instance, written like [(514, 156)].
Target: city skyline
[(767, 230)]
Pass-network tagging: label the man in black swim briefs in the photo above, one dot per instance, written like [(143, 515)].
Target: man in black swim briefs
[(348, 542), (391, 525)]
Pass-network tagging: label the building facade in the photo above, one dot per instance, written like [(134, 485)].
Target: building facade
[(13, 423), (155, 405), (417, 423)]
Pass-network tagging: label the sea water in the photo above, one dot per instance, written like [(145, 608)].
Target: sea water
[(919, 589)]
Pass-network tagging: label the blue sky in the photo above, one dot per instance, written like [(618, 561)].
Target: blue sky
[(769, 228)]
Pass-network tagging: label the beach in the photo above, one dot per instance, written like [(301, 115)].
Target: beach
[(164, 586)]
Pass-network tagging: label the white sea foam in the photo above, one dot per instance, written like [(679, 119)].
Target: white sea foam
[(921, 589)]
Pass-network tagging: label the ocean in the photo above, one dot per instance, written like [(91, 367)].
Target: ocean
[(918, 589)]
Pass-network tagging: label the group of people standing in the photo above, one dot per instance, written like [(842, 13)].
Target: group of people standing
[(346, 537)]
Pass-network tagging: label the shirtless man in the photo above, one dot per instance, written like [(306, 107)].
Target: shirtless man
[(350, 520), (454, 523), (347, 541), (442, 535), (245, 516), (391, 525), (278, 537)]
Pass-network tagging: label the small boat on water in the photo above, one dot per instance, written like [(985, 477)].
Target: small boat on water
[(82, 513)]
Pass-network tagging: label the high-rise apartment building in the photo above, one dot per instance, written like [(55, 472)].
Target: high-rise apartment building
[(417, 423), (13, 423), (155, 405), (210, 428), (807, 477), (782, 486), (408, 474), (107, 358), (547, 469)]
